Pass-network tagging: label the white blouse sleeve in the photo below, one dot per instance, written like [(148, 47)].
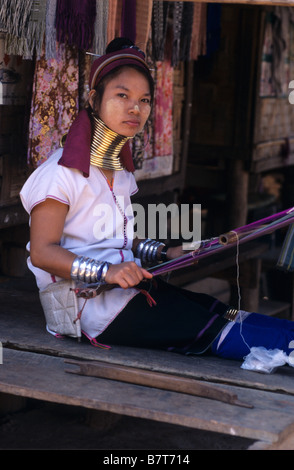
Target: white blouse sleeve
[(50, 180)]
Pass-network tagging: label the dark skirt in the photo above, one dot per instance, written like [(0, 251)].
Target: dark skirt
[(179, 321)]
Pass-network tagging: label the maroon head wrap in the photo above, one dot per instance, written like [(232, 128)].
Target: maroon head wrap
[(76, 152)]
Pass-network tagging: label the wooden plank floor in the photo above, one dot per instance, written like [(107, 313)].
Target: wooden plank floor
[(43, 377), (34, 366)]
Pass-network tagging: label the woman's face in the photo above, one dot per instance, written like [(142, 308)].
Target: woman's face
[(126, 102)]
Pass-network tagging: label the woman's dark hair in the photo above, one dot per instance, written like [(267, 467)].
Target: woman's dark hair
[(118, 44)]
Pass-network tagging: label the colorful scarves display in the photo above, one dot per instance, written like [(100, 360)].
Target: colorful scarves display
[(56, 30)]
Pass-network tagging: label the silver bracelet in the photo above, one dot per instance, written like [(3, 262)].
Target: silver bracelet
[(139, 249), (151, 249), (146, 246), (155, 259), (88, 270), (75, 268), (147, 251), (104, 271), (141, 246)]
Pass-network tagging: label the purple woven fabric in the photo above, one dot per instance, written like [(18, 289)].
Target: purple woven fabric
[(75, 22), (128, 20)]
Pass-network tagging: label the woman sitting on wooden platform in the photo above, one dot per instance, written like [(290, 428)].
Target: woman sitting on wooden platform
[(64, 197)]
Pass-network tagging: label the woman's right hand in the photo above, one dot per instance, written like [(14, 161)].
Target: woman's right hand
[(127, 274)]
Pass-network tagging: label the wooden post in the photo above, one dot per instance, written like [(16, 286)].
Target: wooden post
[(238, 194)]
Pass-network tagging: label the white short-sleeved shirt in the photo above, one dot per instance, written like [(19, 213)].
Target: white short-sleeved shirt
[(99, 224)]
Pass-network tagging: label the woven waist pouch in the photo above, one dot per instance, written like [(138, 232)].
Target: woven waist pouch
[(60, 307)]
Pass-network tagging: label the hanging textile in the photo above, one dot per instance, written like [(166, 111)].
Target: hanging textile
[(50, 33), (75, 22), (198, 39), (143, 22), (186, 32), (100, 27), (163, 104), (114, 15), (177, 28), (54, 103), (159, 28), (24, 22), (128, 20)]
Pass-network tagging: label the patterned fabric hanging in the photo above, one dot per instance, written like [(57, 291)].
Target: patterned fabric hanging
[(163, 103), (54, 103), (159, 26)]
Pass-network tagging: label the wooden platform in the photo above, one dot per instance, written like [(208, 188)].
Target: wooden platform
[(34, 365)]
